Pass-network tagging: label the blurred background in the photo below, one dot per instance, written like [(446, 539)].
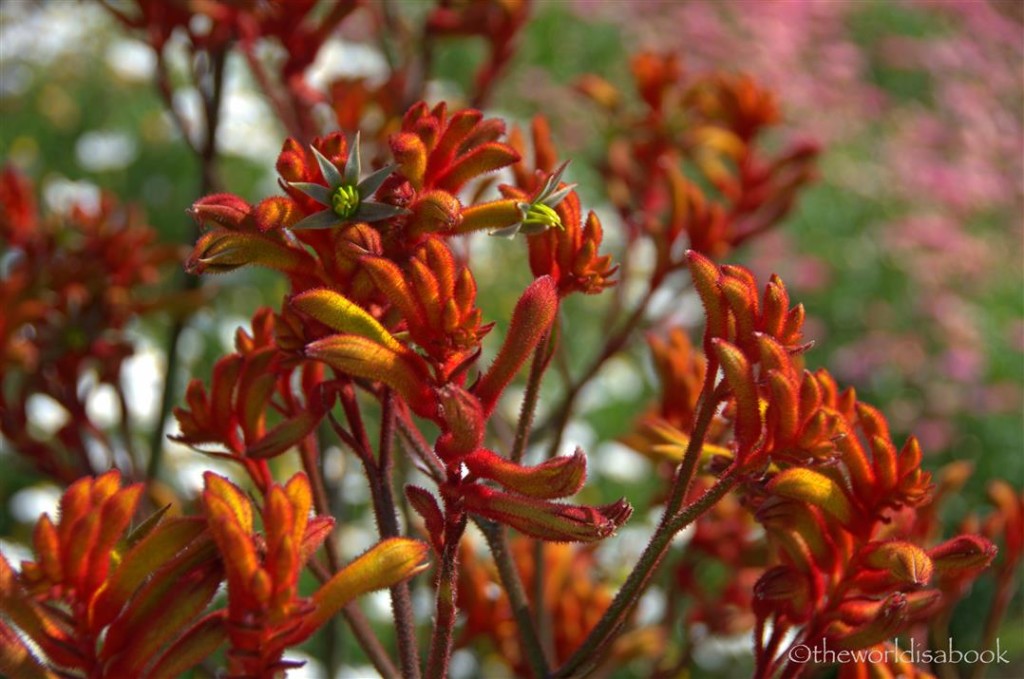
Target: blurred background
[(908, 251)]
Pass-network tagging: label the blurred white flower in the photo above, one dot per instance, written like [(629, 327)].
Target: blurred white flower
[(104, 150)]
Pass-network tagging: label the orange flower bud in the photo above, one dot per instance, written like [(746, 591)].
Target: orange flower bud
[(489, 157), (889, 616), (740, 377), (494, 215), (341, 315), (532, 317), (706, 279), (599, 90), (274, 214), (786, 590), (223, 209), (434, 212), (411, 154), (435, 151), (383, 565), (402, 370)]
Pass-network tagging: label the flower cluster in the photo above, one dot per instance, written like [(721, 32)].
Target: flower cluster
[(100, 600), (380, 297), (72, 282), (713, 123), (265, 614), (381, 303), (90, 599), (808, 523), (817, 469)]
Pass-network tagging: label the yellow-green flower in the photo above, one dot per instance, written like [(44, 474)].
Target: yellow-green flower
[(539, 214), (345, 198)]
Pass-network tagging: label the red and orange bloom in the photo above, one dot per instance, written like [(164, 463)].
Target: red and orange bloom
[(71, 287), (711, 124), (834, 494), (265, 614), (560, 244), (246, 387), (436, 297), (810, 524), (103, 601)]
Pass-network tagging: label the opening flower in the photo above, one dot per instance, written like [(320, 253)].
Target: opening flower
[(539, 214), (345, 198)]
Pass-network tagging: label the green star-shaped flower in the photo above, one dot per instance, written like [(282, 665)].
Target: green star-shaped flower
[(345, 197), (539, 214)]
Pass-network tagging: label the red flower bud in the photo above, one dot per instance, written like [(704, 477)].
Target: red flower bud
[(464, 420), (560, 477), (532, 317), (544, 520), (964, 553)]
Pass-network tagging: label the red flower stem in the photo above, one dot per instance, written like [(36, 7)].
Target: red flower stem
[(705, 413), (600, 637), (418, 446), (447, 584), (208, 183), (309, 452), (497, 540), (541, 611), (540, 363), (378, 472), (362, 630), (387, 523), (358, 437), (560, 420)]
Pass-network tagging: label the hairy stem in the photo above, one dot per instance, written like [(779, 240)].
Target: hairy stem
[(447, 584), (419, 447), (671, 523), (497, 541), (387, 519), (541, 611), (310, 454), (588, 654), (529, 407), (705, 413)]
